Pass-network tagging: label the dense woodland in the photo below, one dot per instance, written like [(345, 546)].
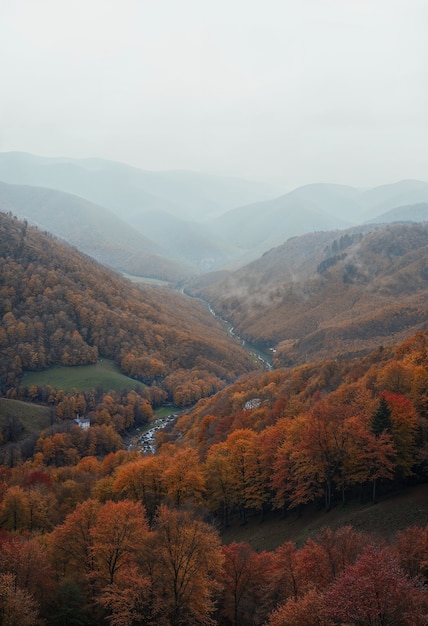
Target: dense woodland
[(94, 533), (58, 306)]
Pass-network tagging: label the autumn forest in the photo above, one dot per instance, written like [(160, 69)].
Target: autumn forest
[(95, 532)]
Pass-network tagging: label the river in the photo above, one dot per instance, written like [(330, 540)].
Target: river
[(265, 358), (145, 440)]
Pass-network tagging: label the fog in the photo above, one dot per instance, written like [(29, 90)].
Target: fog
[(285, 91)]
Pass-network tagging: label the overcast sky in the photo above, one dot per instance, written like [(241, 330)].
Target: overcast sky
[(296, 91)]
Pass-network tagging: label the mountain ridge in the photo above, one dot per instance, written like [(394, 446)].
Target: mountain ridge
[(328, 295), (190, 216), (93, 229)]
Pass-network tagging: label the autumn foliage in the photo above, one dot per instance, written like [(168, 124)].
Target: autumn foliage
[(93, 532), (57, 306)]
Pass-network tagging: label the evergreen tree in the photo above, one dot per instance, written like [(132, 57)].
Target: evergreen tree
[(381, 419)]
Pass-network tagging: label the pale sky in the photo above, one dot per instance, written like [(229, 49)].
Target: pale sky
[(296, 91)]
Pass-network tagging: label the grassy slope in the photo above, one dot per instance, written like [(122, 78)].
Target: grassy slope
[(34, 417), (391, 514), (103, 375)]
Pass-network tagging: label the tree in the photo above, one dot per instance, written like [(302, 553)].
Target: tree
[(142, 481), (219, 480), (27, 560), (188, 560), (243, 576), (381, 419), (285, 577), (68, 605), (371, 458), (129, 600), (71, 542), (312, 458), (249, 476), (322, 559), (404, 425), (17, 607), (117, 537), (411, 545), (376, 591), (304, 611), (183, 477), (15, 510)]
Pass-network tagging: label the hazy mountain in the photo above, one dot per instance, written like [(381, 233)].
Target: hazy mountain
[(381, 199), (128, 190), (91, 228), (265, 224), (325, 295), (258, 227), (408, 213), (206, 222), (341, 201), (189, 242)]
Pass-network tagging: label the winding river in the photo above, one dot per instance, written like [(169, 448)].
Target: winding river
[(264, 357), (145, 440)]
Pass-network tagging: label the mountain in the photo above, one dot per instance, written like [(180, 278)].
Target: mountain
[(128, 190), (262, 225), (59, 306), (408, 213), (386, 197), (256, 228), (327, 295), (202, 222), (91, 228), (189, 242)]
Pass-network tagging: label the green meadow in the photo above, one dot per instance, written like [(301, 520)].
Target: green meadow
[(104, 375)]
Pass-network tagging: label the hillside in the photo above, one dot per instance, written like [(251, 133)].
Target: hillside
[(59, 307), (319, 453), (91, 228), (328, 295)]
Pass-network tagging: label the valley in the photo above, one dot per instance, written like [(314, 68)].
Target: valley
[(177, 225), (164, 424)]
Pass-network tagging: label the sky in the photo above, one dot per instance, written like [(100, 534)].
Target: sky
[(286, 91)]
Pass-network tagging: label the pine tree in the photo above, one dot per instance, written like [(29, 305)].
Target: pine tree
[(381, 420)]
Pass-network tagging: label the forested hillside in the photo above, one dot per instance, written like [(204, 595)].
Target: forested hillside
[(94, 532), (330, 294), (57, 306), (103, 535), (325, 430)]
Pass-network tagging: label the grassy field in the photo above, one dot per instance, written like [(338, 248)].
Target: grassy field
[(391, 514), (34, 417), (103, 375), (145, 280)]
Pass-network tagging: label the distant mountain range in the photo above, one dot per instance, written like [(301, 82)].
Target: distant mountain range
[(128, 190), (90, 228), (174, 225)]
